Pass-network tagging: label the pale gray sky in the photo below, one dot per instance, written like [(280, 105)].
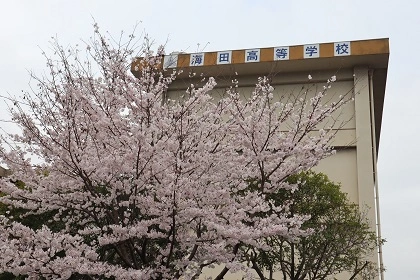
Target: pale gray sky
[(26, 26)]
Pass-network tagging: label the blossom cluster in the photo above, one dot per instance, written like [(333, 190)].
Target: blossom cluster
[(142, 187)]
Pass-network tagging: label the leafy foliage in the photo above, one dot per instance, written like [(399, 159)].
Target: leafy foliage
[(340, 238)]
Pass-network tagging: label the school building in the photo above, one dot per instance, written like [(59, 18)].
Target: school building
[(360, 66)]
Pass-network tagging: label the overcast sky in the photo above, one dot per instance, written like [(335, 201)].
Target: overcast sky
[(27, 26)]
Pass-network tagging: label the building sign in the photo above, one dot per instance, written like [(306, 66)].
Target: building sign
[(281, 53), (252, 55), (170, 61), (311, 51), (197, 59), (224, 57), (342, 49)]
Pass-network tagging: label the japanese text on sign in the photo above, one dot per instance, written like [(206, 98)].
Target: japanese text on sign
[(342, 49), (311, 51), (197, 59), (224, 57), (281, 53), (252, 55)]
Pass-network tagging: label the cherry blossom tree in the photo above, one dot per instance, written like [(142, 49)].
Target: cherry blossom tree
[(137, 186)]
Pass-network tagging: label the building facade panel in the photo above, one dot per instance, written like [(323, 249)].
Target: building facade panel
[(360, 68)]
